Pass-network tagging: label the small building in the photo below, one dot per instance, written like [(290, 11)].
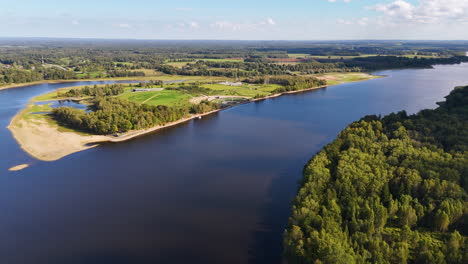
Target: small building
[(147, 89)]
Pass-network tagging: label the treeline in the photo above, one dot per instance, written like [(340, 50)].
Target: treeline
[(387, 190), (112, 115), (150, 84), (16, 75), (289, 83), (125, 73), (255, 68), (392, 62), (203, 107), (102, 90)]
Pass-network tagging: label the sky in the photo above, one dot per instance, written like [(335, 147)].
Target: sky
[(236, 19)]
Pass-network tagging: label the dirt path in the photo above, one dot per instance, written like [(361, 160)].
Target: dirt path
[(197, 100), (147, 100)]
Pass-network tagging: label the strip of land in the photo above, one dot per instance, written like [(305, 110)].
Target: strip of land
[(163, 77), (45, 139)]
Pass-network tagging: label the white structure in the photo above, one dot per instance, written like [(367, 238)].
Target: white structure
[(231, 83)]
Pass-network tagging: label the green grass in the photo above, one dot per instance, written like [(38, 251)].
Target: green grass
[(244, 90), (28, 114), (54, 94), (46, 97), (123, 63), (222, 60), (298, 55), (178, 64), (165, 97)]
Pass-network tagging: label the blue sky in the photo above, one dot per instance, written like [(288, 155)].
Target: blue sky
[(236, 19)]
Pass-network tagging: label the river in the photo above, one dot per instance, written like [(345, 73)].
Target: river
[(215, 190)]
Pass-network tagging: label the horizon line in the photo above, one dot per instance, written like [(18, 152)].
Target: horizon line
[(246, 40)]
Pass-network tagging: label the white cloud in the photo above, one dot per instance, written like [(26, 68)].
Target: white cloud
[(123, 25), (426, 11), (194, 24), (270, 21)]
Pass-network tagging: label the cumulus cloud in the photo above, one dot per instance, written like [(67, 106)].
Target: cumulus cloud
[(425, 11)]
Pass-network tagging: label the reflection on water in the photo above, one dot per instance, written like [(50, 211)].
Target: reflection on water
[(60, 103), (215, 190)]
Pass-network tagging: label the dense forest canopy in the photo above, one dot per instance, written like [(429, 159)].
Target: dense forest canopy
[(112, 115), (387, 190)]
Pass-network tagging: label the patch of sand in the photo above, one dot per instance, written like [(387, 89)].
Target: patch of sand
[(197, 100), (327, 78), (47, 143), (19, 167)]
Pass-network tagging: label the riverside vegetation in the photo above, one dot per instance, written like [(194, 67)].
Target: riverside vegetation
[(387, 190), (110, 114)]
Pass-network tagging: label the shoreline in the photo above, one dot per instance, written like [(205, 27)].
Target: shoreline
[(20, 85), (46, 143), (133, 134), (24, 133), (117, 79)]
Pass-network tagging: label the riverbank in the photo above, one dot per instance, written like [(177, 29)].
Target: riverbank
[(44, 140), (47, 143), (19, 85), (163, 77)]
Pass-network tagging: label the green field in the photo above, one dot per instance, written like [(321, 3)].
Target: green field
[(298, 55), (123, 63), (177, 64), (165, 97), (244, 90), (223, 60)]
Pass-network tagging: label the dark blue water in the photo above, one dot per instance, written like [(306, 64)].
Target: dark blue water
[(60, 103), (215, 190)]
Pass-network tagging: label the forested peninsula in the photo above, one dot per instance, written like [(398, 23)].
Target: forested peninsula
[(387, 190)]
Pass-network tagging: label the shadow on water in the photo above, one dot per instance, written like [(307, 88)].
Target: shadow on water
[(266, 246)]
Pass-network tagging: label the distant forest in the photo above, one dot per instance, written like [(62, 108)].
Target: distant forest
[(387, 190), (23, 60)]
